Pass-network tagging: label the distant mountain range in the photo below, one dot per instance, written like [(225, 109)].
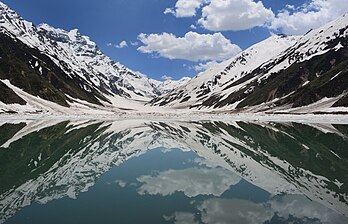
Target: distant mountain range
[(49, 70)]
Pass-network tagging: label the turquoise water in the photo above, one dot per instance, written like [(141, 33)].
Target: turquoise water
[(172, 172)]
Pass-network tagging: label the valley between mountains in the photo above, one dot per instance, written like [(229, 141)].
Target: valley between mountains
[(46, 70), (261, 137)]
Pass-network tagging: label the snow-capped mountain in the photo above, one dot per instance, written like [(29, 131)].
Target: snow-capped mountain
[(69, 159), (168, 85), (289, 74), (216, 78), (64, 67), (113, 76)]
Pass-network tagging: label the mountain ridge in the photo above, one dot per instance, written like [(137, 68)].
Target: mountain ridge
[(217, 77), (311, 70), (74, 58)]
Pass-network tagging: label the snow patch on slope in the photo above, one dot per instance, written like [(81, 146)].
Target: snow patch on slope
[(214, 80)]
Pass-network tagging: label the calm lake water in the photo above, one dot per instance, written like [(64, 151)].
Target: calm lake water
[(172, 172)]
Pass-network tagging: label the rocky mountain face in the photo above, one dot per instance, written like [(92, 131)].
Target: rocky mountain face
[(280, 74), (45, 160), (61, 66)]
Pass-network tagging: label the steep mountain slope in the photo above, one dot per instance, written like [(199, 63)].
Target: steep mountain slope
[(63, 67), (216, 78), (97, 68), (38, 75), (313, 70)]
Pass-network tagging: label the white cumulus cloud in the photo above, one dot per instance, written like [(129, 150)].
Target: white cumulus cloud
[(122, 44), (235, 15), (193, 46), (309, 16), (222, 15), (185, 8)]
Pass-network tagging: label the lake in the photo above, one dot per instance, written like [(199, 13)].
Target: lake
[(140, 171)]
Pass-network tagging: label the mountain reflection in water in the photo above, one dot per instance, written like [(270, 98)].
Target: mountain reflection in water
[(172, 172)]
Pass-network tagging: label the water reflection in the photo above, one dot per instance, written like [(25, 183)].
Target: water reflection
[(191, 181), (224, 172), (285, 209)]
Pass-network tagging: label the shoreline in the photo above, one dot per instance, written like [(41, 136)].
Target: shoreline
[(193, 116)]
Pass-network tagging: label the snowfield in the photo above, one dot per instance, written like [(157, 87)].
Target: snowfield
[(182, 116), (121, 108), (37, 108)]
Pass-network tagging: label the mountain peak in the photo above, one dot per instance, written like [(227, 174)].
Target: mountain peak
[(75, 33), (61, 35), (4, 6), (7, 16), (75, 57)]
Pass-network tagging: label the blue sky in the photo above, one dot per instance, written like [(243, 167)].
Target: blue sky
[(109, 22)]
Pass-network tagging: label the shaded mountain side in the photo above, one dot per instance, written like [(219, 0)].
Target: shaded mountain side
[(301, 84), (326, 76), (8, 96), (38, 75)]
